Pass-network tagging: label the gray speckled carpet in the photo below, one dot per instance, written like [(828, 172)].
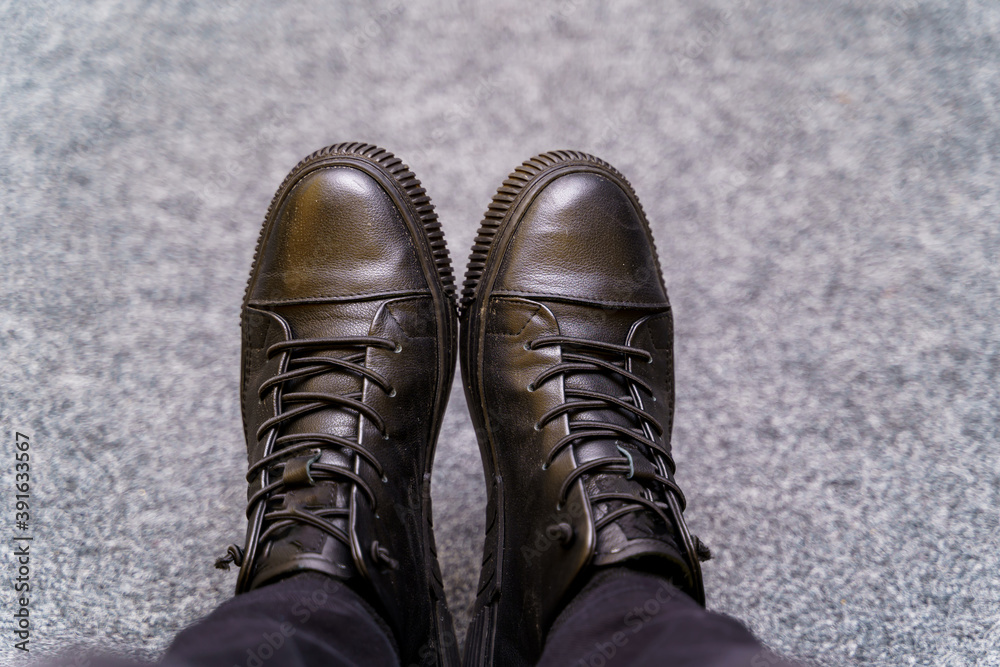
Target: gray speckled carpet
[(822, 180)]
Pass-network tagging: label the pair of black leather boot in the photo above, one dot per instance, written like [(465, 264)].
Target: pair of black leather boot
[(350, 335)]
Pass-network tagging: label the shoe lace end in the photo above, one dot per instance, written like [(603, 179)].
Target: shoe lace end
[(234, 555), (702, 550)]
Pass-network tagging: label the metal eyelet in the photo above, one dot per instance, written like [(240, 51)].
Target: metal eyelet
[(531, 386), (537, 427), (527, 346), (392, 393), (545, 466), (399, 348)]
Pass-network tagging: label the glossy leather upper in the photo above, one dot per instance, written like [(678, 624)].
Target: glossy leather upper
[(342, 259), (571, 284)]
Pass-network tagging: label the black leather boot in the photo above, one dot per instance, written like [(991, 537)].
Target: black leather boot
[(567, 360), (349, 333)]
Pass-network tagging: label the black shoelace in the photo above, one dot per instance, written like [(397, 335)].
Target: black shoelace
[(647, 462), (310, 444)]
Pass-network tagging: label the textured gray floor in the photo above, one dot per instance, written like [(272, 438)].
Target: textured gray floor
[(822, 178)]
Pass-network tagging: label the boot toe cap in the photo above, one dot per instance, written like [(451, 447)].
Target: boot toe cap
[(335, 233), (583, 237)]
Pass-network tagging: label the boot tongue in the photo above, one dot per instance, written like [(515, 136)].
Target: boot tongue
[(300, 540), (642, 532)]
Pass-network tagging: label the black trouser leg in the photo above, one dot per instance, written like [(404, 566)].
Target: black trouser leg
[(308, 619), (627, 618)]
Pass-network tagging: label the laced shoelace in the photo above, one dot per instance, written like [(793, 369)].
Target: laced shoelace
[(580, 430), (286, 446)]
